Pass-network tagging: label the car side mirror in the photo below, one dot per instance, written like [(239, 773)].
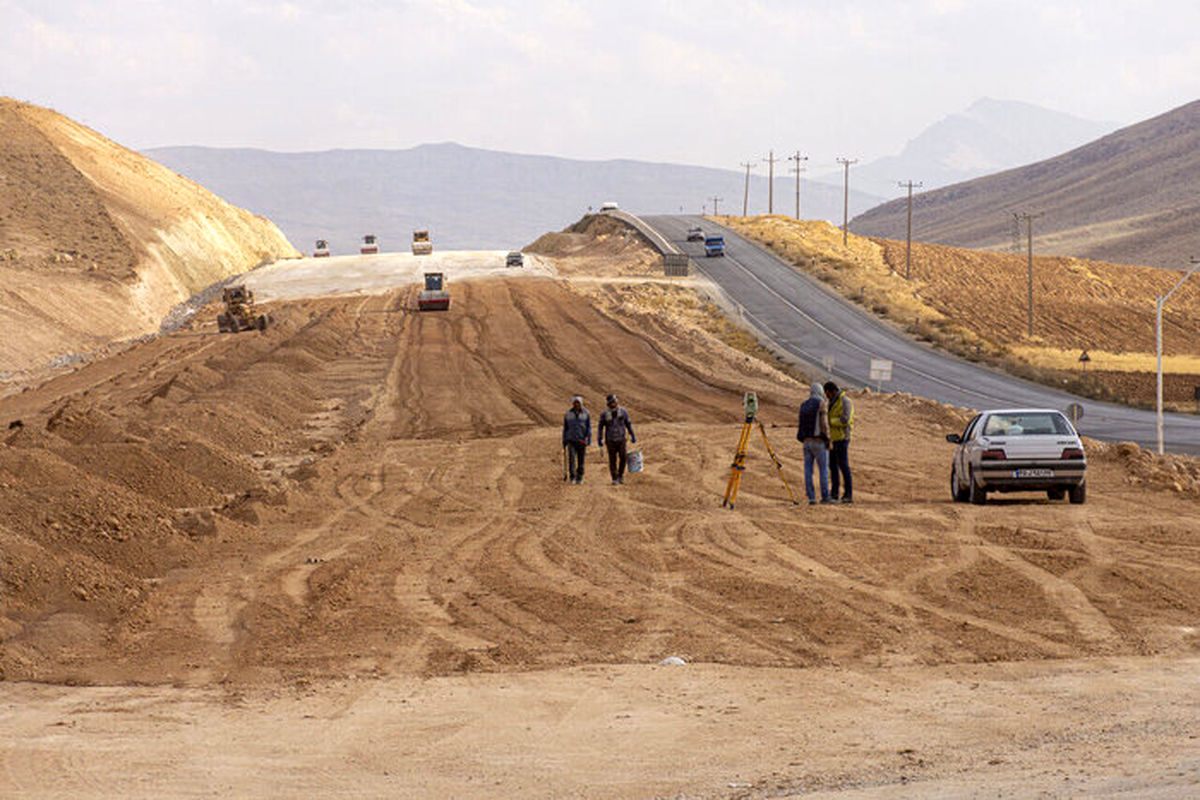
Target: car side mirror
[(953, 438)]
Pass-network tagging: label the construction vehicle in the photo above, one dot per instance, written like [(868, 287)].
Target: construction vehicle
[(421, 246), (515, 259), (434, 297), (370, 245), (714, 246), (239, 312), (322, 249)]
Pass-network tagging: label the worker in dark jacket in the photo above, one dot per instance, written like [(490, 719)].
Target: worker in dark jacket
[(813, 432), (841, 422), (614, 423), (577, 435)]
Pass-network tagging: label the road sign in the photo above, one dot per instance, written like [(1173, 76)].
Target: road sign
[(676, 263), (1075, 413), (881, 370)]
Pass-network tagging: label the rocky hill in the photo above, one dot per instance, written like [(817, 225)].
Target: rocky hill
[(1128, 197), (97, 242), (984, 138)]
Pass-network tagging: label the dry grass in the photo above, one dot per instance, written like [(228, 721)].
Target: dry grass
[(972, 303)]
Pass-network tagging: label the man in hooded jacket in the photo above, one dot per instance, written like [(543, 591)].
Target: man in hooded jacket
[(813, 433), (576, 436)]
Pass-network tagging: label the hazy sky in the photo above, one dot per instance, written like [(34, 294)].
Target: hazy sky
[(711, 83)]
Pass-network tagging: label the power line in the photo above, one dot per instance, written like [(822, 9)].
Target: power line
[(797, 169), (908, 241), (746, 192), (715, 200), (771, 159), (1028, 220), (846, 162)]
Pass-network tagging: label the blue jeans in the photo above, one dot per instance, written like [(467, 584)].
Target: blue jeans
[(839, 465), (816, 452)]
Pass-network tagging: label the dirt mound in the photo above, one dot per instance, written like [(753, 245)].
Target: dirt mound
[(598, 245), (363, 490), (98, 242)]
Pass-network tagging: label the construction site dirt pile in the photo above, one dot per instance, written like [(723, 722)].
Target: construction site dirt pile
[(97, 243), (366, 491)]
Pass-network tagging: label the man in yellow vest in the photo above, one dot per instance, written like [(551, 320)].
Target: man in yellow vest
[(841, 421)]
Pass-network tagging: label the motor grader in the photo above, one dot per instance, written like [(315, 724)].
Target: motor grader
[(239, 314)]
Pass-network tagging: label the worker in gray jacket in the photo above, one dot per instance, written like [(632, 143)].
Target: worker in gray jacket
[(614, 424), (576, 436)]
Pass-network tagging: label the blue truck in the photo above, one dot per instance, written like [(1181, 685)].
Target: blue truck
[(714, 246)]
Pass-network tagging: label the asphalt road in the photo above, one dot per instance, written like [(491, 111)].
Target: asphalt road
[(810, 321)]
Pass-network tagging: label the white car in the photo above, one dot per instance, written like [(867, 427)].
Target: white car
[(1018, 450), (609, 206)]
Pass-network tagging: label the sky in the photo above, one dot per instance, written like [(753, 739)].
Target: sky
[(698, 82)]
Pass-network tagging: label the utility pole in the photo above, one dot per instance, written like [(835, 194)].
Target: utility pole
[(846, 162), (1029, 218), (715, 200), (1158, 309), (746, 192), (797, 169), (908, 241), (771, 159)]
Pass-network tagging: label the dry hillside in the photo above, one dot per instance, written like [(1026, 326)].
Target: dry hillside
[(1129, 197), (98, 242), (973, 302)]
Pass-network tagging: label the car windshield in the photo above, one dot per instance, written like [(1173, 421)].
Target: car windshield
[(1027, 423)]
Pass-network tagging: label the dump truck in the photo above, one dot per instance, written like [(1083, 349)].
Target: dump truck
[(714, 246), (421, 245), (370, 245), (434, 296), (240, 314), (322, 249), (514, 259)]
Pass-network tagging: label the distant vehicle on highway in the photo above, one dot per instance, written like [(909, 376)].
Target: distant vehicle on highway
[(514, 259), (370, 245), (695, 234), (714, 246), (1018, 450), (609, 206), (322, 249)]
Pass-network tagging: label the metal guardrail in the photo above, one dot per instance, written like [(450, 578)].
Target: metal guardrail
[(656, 239)]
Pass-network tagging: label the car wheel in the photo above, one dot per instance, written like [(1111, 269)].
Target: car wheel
[(1056, 494), (976, 493), (957, 492), (1078, 494)]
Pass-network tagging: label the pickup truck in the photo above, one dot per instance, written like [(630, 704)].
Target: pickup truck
[(714, 246), (695, 234), (514, 259)]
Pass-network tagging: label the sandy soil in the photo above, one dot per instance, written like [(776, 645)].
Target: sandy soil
[(97, 242), (339, 558)]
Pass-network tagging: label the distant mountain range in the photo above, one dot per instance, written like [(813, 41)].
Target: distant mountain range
[(468, 198), (1130, 197), (990, 136)]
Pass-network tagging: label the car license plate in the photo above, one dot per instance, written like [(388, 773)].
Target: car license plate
[(1033, 473)]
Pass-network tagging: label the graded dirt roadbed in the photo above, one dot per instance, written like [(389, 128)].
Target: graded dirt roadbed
[(353, 529)]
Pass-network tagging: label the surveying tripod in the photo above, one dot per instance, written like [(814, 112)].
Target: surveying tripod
[(739, 458)]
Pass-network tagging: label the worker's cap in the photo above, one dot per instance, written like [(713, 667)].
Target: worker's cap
[(612, 398), (577, 399)]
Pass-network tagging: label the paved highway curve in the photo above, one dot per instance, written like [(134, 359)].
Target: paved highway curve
[(810, 321)]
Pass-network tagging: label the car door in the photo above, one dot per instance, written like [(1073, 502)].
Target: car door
[(962, 456)]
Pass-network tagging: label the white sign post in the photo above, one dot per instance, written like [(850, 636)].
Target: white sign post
[(881, 370)]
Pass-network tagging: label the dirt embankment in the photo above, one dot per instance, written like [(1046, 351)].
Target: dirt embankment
[(973, 303), (97, 242)]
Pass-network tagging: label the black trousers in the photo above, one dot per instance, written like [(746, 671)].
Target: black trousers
[(616, 459), (839, 470), (576, 452)]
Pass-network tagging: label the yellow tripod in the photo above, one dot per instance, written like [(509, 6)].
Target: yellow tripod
[(739, 461)]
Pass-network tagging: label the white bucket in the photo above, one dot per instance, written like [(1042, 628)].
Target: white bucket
[(634, 461)]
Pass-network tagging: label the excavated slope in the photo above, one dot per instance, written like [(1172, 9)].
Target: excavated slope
[(98, 242)]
